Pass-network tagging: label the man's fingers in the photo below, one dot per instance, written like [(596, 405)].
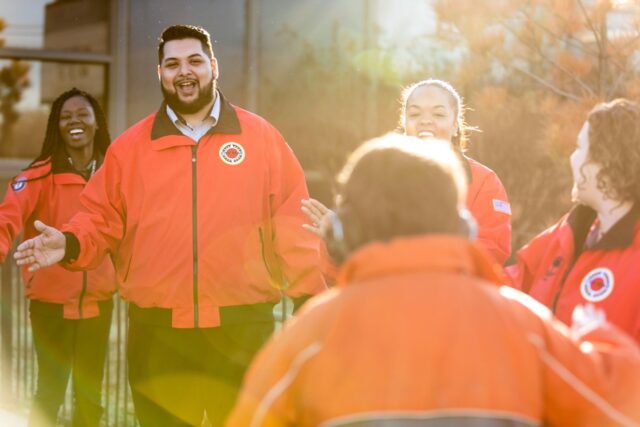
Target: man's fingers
[(25, 259), (40, 226), (21, 254), (27, 244), (43, 228)]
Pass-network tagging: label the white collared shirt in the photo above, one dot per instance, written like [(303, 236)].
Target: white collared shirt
[(196, 132)]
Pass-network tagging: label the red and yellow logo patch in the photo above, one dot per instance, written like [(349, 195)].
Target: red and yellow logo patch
[(232, 153)]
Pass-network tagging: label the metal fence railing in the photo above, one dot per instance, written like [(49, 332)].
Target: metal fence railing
[(18, 365)]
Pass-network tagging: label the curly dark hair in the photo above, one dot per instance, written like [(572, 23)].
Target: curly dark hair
[(53, 140), (614, 145)]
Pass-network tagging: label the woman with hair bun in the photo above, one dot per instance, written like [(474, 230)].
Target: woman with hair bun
[(433, 109)]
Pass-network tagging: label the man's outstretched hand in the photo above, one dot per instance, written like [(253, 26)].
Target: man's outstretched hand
[(45, 249)]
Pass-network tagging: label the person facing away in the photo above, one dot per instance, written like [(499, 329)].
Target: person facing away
[(419, 330), (70, 312), (591, 255), (198, 204), (433, 109)]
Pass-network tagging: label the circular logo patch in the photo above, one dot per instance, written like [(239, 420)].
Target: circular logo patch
[(232, 153), (18, 184), (597, 285)]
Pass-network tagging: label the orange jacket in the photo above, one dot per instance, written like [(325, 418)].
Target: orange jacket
[(556, 270), (488, 202), (52, 196), (418, 329), (197, 226)]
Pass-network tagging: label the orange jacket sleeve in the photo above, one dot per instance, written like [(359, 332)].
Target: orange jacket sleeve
[(494, 225), (296, 252), (529, 257), (16, 209), (594, 383), (264, 399), (270, 386), (99, 226)]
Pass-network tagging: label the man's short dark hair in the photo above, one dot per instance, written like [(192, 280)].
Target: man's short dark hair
[(181, 32)]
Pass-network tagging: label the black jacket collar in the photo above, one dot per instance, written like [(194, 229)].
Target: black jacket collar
[(621, 235), (60, 163), (227, 123)]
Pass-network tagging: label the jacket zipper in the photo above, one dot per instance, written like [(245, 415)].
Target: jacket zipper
[(266, 266), (82, 293), (194, 219), (264, 257), (556, 297)]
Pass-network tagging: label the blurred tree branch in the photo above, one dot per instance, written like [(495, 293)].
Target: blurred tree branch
[(532, 69), (14, 79)]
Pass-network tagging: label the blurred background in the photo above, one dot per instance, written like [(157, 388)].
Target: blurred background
[(328, 75)]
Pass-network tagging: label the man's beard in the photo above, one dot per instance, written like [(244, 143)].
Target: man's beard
[(205, 96)]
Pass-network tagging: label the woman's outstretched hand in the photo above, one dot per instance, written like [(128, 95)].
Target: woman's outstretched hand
[(318, 215)]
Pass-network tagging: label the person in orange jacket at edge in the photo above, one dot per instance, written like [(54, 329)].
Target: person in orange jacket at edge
[(199, 206), (70, 312), (419, 330), (592, 254), (434, 109)]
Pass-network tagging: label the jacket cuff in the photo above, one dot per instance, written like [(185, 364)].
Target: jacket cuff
[(71, 247)]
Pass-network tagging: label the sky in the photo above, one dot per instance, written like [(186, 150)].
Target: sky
[(405, 19)]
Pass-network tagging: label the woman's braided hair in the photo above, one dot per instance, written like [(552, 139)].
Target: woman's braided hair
[(53, 140)]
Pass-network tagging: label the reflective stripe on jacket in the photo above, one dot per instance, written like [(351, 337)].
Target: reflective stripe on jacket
[(419, 328)]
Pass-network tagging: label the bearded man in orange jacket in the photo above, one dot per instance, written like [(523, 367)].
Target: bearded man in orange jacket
[(198, 205), (419, 330)]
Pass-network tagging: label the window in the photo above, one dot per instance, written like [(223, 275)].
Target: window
[(48, 47)]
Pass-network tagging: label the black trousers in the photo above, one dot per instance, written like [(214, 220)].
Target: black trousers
[(65, 346), (177, 374)]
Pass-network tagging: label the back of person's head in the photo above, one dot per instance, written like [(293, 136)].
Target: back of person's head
[(614, 144), (181, 32), (400, 186), (53, 140)]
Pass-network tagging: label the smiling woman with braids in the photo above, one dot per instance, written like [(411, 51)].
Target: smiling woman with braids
[(70, 312)]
